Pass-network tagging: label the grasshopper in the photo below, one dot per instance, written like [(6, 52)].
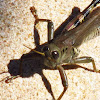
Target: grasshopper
[(63, 49)]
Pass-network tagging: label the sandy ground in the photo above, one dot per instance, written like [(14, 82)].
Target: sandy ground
[(16, 30)]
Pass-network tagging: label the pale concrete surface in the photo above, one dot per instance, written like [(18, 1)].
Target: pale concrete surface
[(16, 30)]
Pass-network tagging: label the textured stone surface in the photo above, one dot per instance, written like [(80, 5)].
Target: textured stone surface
[(16, 30)]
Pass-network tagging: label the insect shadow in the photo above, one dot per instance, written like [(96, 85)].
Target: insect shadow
[(33, 63)]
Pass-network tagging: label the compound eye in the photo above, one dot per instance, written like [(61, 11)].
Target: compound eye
[(45, 49), (55, 54)]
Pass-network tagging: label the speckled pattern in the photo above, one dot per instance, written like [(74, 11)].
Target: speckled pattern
[(16, 30)]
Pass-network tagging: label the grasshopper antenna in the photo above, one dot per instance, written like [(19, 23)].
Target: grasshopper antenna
[(35, 51)]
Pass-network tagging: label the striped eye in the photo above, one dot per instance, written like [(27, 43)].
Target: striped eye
[(55, 54)]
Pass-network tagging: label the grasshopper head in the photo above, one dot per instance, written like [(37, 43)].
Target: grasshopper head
[(57, 56), (52, 55)]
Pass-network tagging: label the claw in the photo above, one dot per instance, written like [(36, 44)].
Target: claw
[(97, 70)]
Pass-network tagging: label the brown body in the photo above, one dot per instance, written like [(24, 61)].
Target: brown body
[(86, 31), (66, 43)]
